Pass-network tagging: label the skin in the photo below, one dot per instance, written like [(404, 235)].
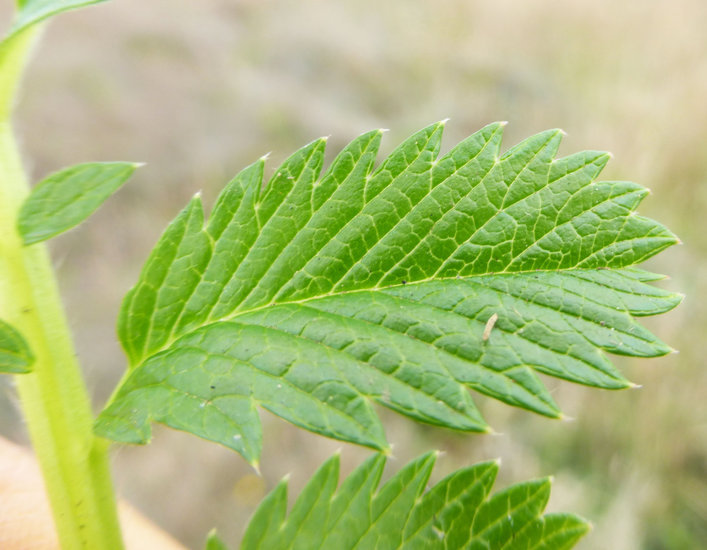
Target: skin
[(25, 518)]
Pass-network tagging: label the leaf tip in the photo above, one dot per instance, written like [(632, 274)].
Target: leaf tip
[(23, 369), (28, 239), (621, 383), (196, 202), (562, 417), (387, 451)]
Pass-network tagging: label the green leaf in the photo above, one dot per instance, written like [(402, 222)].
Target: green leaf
[(404, 285), (457, 513), (66, 198), (213, 542), (15, 355), (31, 12), (549, 532)]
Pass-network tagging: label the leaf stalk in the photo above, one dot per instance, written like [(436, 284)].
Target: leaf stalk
[(53, 397)]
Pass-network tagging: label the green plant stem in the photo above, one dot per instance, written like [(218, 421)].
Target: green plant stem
[(53, 397)]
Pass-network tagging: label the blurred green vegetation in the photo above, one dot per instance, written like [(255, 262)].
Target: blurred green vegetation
[(200, 89)]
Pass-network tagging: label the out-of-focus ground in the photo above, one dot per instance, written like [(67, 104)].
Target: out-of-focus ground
[(200, 89)]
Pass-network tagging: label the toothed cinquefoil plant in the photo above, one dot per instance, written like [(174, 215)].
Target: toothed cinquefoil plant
[(404, 282)]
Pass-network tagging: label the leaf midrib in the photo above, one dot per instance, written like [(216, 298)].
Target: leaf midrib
[(305, 301)]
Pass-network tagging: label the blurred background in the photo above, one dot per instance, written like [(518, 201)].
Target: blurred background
[(198, 90)]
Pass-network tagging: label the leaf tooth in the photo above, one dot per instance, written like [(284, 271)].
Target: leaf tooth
[(395, 502), (304, 165), (350, 507), (447, 510), (266, 521), (542, 149), (237, 200), (423, 146), (311, 508), (524, 502), (592, 162), (535, 144), (141, 306)]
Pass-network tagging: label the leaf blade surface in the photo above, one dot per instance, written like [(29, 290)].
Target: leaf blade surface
[(66, 198), (15, 354), (404, 285)]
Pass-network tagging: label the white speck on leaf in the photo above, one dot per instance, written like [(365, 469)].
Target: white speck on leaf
[(489, 326)]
